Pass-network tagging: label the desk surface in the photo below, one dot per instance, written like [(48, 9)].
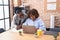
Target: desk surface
[(9, 35), (58, 38)]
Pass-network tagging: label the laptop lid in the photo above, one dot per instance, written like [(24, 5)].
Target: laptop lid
[(29, 29)]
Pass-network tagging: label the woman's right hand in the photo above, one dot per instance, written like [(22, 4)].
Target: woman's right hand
[(19, 27)]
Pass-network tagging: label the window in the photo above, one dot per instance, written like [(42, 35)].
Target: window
[(4, 14), (0, 1), (1, 12), (50, 5)]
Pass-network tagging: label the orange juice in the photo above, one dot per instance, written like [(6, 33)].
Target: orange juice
[(39, 32)]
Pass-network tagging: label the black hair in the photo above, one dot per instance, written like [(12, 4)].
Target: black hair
[(15, 8), (18, 9)]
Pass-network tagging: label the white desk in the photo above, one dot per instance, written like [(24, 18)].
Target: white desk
[(9, 35)]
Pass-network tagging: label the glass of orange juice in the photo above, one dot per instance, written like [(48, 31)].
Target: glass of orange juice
[(39, 32)]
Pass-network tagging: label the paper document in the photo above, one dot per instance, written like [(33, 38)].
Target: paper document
[(14, 30)]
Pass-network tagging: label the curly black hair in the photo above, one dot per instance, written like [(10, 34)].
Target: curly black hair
[(18, 9)]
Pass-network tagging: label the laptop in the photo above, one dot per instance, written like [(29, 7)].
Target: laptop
[(29, 29)]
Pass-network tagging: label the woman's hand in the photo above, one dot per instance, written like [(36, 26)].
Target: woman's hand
[(19, 27)]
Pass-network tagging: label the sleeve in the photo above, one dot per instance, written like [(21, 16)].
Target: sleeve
[(26, 22), (41, 25), (13, 22)]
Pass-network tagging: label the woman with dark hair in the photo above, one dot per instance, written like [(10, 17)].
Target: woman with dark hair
[(18, 18), (33, 19)]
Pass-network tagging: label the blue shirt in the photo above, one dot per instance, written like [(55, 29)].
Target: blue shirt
[(38, 23)]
